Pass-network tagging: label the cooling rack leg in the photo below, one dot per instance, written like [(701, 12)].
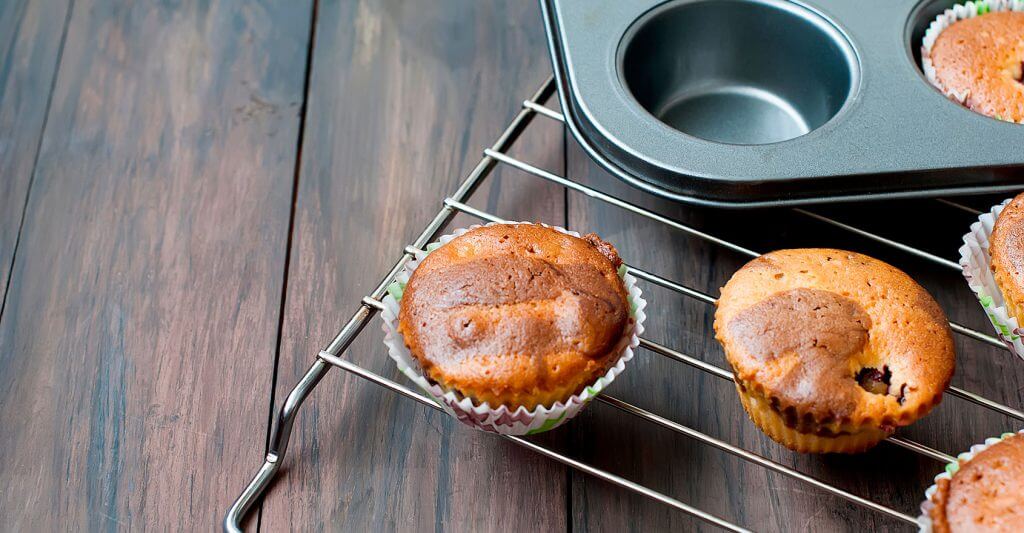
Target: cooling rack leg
[(286, 418), (259, 483), (278, 446)]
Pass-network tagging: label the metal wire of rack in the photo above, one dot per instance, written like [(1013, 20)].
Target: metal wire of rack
[(498, 154)]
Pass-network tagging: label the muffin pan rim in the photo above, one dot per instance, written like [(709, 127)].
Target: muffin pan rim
[(866, 142)]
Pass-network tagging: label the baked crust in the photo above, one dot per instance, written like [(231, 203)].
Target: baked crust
[(516, 314), (985, 493), (1006, 248), (981, 59), (803, 328)]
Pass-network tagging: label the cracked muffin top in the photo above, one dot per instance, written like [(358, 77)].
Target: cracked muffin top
[(835, 336), (516, 314)]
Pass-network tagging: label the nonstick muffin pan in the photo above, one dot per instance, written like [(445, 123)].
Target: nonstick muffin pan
[(769, 102)]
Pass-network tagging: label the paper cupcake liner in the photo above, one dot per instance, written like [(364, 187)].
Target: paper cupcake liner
[(924, 521), (503, 420), (773, 425), (946, 19), (976, 263)]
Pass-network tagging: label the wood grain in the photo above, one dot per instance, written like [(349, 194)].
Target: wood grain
[(403, 98), (31, 34), (137, 347)]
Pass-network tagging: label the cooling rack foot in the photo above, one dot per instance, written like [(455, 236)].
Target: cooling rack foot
[(278, 446)]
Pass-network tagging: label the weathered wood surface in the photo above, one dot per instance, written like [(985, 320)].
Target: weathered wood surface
[(30, 45), (190, 243), (137, 343), (403, 98)]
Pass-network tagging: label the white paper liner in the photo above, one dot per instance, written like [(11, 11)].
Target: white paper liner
[(924, 521), (946, 19), (976, 263), (503, 420)]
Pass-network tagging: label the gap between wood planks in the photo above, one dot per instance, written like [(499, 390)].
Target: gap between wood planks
[(288, 241), (35, 157)]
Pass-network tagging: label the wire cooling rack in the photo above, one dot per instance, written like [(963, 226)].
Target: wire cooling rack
[(497, 155)]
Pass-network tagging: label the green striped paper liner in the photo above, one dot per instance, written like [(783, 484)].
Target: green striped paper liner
[(502, 419), (946, 19), (976, 264), (924, 520)]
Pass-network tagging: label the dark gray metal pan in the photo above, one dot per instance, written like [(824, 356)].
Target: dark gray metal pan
[(752, 103)]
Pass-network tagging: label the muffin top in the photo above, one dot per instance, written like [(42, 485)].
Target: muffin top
[(508, 311), (985, 493), (980, 60), (836, 336), (1006, 247)]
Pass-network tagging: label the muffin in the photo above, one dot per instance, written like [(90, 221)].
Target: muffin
[(832, 350), (1006, 248), (516, 315), (979, 61), (983, 491)]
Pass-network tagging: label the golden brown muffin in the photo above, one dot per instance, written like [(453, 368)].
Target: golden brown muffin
[(516, 314), (986, 494), (1006, 247), (832, 349), (980, 59)]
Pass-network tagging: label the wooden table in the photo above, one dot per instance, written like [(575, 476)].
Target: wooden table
[(194, 196)]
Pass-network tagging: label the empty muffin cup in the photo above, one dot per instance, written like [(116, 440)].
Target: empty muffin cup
[(738, 71)]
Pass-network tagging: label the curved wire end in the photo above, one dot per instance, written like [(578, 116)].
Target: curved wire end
[(252, 492)]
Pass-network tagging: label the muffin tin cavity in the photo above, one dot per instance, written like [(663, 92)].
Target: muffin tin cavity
[(738, 71)]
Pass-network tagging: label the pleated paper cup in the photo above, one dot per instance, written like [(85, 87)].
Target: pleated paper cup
[(948, 18), (976, 262), (502, 419), (924, 521)]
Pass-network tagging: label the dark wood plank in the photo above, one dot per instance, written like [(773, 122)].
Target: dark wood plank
[(403, 98), (30, 42), (718, 482), (137, 347)]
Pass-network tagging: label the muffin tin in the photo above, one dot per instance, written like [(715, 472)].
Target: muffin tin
[(768, 102)]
